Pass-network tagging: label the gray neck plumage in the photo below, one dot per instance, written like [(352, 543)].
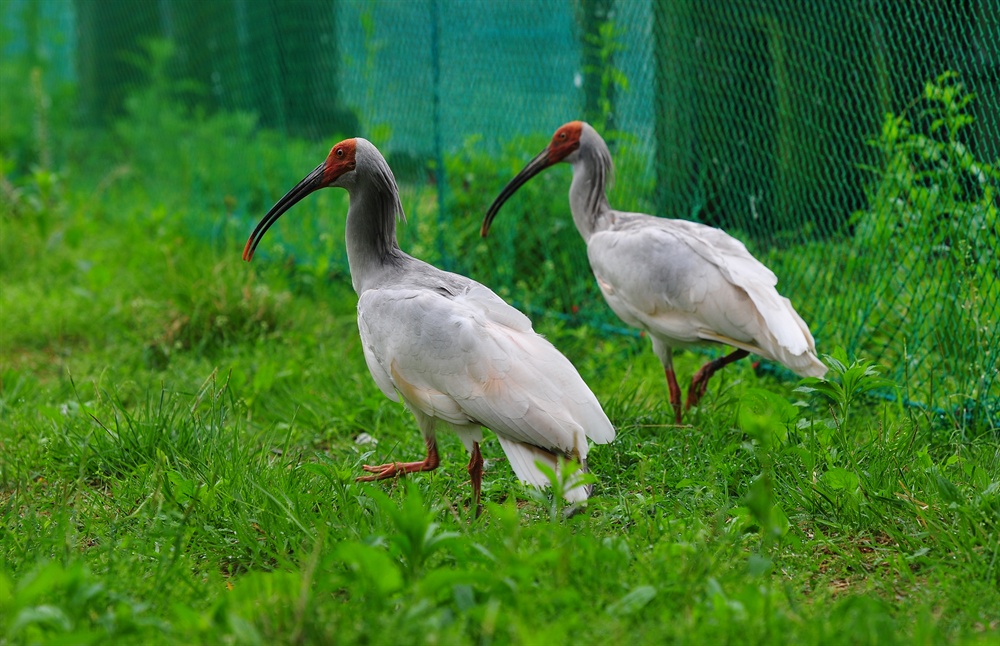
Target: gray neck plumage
[(371, 229), (592, 171)]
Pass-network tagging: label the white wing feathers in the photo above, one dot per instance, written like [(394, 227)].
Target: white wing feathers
[(472, 359), (740, 268), (688, 282)]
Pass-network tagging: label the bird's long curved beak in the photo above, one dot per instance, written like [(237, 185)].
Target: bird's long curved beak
[(535, 166), (309, 183)]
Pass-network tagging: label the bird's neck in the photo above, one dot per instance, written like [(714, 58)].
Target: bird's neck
[(370, 234), (587, 198)]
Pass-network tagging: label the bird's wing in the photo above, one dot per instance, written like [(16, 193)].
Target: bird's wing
[(741, 269), (469, 358), (378, 369), (655, 281), (688, 282)]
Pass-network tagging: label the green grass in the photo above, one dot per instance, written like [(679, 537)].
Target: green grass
[(177, 463)]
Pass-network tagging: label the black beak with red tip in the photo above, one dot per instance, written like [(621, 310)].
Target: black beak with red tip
[(311, 182), (535, 166)]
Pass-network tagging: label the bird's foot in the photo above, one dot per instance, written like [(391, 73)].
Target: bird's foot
[(392, 469)]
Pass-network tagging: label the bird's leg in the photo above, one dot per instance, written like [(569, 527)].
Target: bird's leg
[(675, 392), (391, 469), (476, 473), (666, 356), (699, 384)]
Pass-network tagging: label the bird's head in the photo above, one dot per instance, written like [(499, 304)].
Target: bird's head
[(337, 170), (563, 146), (565, 142)]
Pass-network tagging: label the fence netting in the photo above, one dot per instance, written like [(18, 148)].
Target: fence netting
[(852, 145)]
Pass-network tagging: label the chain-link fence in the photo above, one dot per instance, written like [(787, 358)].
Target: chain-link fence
[(852, 145)]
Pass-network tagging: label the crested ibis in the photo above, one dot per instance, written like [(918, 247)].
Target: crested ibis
[(447, 347), (682, 282)]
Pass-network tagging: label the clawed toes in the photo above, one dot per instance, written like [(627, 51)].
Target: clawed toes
[(381, 472)]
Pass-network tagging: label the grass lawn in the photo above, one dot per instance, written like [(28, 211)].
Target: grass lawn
[(180, 432)]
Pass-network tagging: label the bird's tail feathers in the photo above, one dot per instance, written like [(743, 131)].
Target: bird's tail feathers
[(785, 336), (524, 458), (781, 321), (806, 364)]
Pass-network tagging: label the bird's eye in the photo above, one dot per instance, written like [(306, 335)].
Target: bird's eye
[(562, 135), (340, 152)]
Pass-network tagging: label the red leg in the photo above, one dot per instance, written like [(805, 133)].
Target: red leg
[(699, 384), (476, 473), (391, 469), (675, 393)]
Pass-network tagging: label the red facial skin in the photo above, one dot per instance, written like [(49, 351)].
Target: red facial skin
[(565, 141), (339, 161)]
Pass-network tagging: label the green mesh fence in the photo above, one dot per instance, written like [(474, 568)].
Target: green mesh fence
[(853, 145)]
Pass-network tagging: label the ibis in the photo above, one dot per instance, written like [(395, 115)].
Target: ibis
[(446, 346)]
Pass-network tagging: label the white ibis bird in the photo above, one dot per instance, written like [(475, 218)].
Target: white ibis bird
[(450, 348), (682, 282)]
